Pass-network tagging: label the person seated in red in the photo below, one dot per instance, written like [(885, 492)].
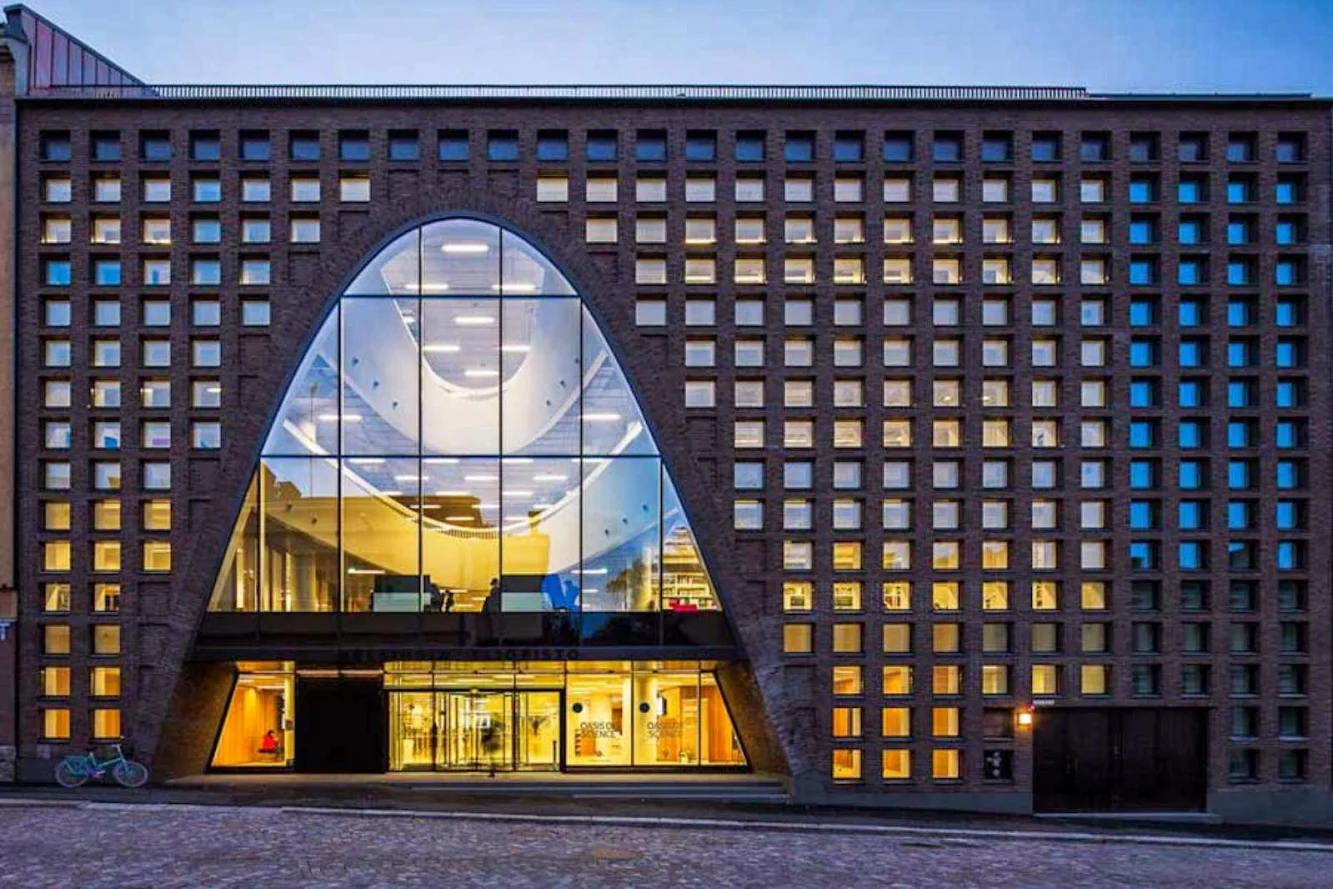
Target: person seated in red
[(270, 746)]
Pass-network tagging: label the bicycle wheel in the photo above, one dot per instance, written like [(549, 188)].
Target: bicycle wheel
[(71, 772), (130, 773)]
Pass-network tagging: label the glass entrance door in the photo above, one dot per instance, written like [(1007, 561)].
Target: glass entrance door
[(476, 731), (538, 720), (413, 730), (479, 731)]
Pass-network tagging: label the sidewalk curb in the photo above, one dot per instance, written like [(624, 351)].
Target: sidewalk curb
[(824, 827)]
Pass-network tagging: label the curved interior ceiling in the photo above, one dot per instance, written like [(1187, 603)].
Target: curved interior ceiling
[(459, 423)]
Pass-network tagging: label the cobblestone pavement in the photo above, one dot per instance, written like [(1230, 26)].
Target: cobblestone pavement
[(138, 847)]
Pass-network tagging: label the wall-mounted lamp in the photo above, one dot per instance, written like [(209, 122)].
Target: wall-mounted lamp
[(1025, 717)]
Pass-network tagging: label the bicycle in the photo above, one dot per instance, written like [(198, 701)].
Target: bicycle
[(74, 770)]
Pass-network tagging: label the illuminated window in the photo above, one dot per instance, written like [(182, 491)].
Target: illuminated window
[(897, 680), (896, 595), (896, 765), (1094, 679), (946, 679), (798, 638), (797, 595), (848, 680), (944, 722), (896, 638), (946, 764), (846, 765), (847, 638)]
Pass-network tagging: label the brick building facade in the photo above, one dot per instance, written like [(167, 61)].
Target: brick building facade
[(999, 416)]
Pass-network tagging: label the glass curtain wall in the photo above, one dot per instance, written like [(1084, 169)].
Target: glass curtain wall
[(460, 437)]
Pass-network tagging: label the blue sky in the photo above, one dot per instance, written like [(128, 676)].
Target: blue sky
[(1106, 45)]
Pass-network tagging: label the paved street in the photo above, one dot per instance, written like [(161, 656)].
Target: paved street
[(129, 847)]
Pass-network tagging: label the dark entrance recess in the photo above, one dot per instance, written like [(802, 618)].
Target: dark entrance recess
[(1120, 759), (340, 725)]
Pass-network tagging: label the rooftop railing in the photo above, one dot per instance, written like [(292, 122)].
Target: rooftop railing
[(574, 93)]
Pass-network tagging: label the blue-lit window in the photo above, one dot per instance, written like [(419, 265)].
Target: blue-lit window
[(1289, 475), (898, 148), (1142, 393), (1142, 312), (1192, 393), (1142, 271), (1189, 232), (502, 146), (1190, 515), (1288, 515), (1189, 313), (303, 147), (1239, 272), (1046, 147), (1192, 353), (1287, 232), (57, 272), (750, 147), (207, 190), (106, 146), (1240, 475), (1241, 313), (404, 145), (1240, 353), (650, 146), (1288, 394), (1142, 474), (1288, 273), (1239, 191), (1288, 354), (1192, 434), (453, 145), (354, 146), (553, 146), (1142, 191), (849, 147), (1192, 474), (1242, 434), (601, 146), (106, 272), (1143, 353), (1240, 393), (56, 146), (1143, 434), (1191, 555), (701, 145), (799, 148), (1190, 272), (947, 148), (1094, 148), (1289, 434), (1142, 515), (254, 146), (1190, 191), (1287, 191), (1290, 555), (155, 147), (1142, 231), (1142, 555), (1240, 515), (1238, 232), (1288, 313)]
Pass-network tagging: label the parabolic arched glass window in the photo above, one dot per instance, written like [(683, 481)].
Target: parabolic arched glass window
[(460, 437)]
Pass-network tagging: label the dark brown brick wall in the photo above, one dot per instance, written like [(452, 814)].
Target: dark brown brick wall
[(159, 614)]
